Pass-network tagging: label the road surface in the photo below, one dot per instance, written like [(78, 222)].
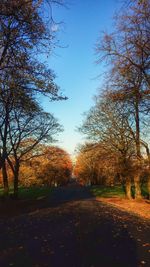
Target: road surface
[(74, 230)]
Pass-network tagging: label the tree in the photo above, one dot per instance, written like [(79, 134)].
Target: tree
[(107, 123), (53, 167), (17, 98), (85, 167), (24, 33), (23, 29), (26, 131), (127, 51), (57, 169)]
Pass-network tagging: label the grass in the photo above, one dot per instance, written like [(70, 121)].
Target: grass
[(107, 191), (144, 191), (113, 191), (34, 192)]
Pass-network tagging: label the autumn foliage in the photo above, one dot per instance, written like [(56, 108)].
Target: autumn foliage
[(95, 165), (52, 168), (119, 119)]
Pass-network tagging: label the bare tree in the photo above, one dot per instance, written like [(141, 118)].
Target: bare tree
[(23, 28), (24, 33), (26, 130), (107, 123), (127, 51)]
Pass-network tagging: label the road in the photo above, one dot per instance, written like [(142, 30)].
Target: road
[(74, 230)]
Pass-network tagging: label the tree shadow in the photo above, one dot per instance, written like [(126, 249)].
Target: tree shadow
[(79, 234), (13, 207), (106, 242)]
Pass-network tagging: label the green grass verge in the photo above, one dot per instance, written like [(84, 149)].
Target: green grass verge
[(108, 191), (114, 191), (35, 192), (144, 191), (32, 192)]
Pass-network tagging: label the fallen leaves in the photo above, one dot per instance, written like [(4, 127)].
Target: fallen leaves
[(140, 208)]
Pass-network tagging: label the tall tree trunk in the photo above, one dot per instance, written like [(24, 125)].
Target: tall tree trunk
[(128, 189), (137, 183), (148, 178), (148, 157), (138, 194), (16, 180), (4, 152), (5, 180), (137, 122), (148, 186)]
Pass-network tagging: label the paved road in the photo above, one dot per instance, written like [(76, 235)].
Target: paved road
[(74, 230)]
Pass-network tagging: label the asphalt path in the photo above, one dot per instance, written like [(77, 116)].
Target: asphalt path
[(74, 230)]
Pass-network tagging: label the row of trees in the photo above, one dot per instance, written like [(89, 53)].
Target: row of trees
[(118, 123), (95, 165), (53, 167), (25, 34)]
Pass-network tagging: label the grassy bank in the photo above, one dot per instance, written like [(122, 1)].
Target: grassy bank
[(107, 191), (114, 191), (31, 193)]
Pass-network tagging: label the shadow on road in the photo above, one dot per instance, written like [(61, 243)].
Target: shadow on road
[(69, 193), (104, 241), (74, 230), (59, 196)]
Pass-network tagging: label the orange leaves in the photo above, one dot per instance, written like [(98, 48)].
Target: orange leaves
[(53, 167)]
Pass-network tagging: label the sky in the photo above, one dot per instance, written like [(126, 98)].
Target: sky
[(74, 63)]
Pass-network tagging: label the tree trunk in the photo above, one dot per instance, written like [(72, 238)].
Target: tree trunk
[(138, 194), (148, 157), (16, 180), (4, 152), (5, 180), (148, 186), (128, 189), (137, 122)]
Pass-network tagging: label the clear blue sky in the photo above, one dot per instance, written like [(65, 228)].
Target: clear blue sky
[(75, 67)]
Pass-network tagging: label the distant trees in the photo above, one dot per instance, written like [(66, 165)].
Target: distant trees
[(107, 123), (44, 165), (56, 169), (52, 168), (95, 165), (120, 121)]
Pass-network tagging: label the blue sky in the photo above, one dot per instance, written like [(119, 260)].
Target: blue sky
[(75, 66)]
